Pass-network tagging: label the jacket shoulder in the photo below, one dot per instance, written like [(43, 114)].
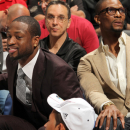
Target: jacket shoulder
[(90, 55), (53, 59)]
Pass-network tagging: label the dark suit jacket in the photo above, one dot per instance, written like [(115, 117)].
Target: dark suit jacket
[(50, 75)]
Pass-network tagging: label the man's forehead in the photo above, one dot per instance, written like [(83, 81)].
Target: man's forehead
[(19, 26), (111, 3)]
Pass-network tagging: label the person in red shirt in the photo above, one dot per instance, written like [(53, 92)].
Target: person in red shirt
[(5, 4)]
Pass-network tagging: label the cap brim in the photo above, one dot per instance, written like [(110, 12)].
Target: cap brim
[(54, 101)]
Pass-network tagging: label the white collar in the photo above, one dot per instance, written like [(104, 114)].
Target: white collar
[(28, 68), (121, 39)]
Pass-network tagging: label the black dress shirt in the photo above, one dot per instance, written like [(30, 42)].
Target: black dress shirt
[(70, 51)]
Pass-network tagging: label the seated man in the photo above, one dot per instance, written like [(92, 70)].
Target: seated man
[(71, 114), (80, 30), (89, 7), (104, 73), (6, 17), (33, 74), (57, 21)]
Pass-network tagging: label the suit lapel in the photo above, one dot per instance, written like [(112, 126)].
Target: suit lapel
[(38, 74), (12, 76), (100, 62), (128, 67)]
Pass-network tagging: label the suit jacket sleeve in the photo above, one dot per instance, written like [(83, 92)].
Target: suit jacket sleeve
[(90, 83), (65, 83)]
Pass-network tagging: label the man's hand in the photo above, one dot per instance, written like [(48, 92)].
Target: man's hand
[(74, 8), (4, 43), (74, 11), (110, 111)]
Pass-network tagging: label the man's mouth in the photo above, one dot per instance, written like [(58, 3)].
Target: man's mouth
[(54, 29), (118, 22), (12, 50)]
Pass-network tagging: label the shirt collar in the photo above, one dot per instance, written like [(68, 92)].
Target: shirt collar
[(28, 68), (63, 49), (121, 39)]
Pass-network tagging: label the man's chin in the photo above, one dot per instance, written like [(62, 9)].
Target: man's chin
[(13, 58), (117, 30)]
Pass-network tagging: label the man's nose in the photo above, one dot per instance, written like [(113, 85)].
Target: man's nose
[(11, 41), (55, 20), (117, 14)]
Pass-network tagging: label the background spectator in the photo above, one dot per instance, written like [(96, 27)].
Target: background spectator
[(58, 42), (80, 30)]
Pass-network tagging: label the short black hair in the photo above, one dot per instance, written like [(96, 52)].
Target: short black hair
[(98, 6), (59, 119), (56, 2), (33, 25)]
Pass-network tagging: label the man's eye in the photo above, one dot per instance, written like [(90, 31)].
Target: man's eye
[(50, 17), (61, 18), (18, 37), (122, 10), (111, 10)]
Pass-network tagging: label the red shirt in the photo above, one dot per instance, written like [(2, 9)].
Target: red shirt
[(5, 4), (80, 30)]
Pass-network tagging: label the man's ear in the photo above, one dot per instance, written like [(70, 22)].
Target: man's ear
[(60, 127), (97, 19), (69, 22), (35, 41)]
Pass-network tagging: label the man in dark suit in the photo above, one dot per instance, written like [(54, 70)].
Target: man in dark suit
[(44, 73)]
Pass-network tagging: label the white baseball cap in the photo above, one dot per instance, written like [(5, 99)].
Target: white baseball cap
[(77, 113)]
